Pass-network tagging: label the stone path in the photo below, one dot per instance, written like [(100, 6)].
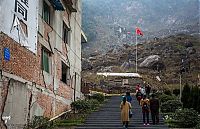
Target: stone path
[(108, 117)]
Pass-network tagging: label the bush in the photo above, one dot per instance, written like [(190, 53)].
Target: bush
[(93, 104), (197, 126), (99, 97), (186, 118), (186, 96), (164, 98), (167, 92), (176, 92), (171, 106), (83, 106), (40, 122)]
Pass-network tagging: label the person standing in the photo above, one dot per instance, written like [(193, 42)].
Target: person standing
[(128, 97), (139, 96), (148, 90), (154, 107), (145, 109), (143, 91), (138, 88), (125, 106)]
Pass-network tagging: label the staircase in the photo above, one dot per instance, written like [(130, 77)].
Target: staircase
[(108, 117)]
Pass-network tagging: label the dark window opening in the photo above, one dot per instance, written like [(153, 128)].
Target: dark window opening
[(46, 12), (65, 73), (65, 33), (45, 60)]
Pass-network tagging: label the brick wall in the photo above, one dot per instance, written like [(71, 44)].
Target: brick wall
[(24, 64)]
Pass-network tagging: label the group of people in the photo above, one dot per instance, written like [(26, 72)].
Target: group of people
[(149, 103)]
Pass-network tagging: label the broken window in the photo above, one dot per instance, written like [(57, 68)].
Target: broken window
[(65, 73), (24, 27), (45, 60), (46, 12), (65, 33)]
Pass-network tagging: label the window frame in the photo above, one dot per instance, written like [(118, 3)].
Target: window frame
[(46, 66), (66, 33), (65, 77), (46, 9)]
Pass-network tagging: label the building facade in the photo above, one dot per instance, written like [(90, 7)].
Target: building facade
[(40, 54)]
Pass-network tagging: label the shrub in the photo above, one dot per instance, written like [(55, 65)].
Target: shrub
[(39, 122), (186, 95), (80, 105), (83, 106), (164, 98), (176, 92), (93, 104), (167, 92), (194, 100), (197, 126), (171, 106), (186, 118), (99, 97)]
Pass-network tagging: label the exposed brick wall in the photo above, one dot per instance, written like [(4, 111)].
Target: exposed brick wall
[(46, 103), (61, 107), (25, 64), (47, 29), (65, 91), (22, 62)]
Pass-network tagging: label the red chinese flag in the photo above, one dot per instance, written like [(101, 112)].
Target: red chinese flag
[(138, 31)]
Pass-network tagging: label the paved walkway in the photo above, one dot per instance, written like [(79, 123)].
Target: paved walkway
[(108, 117)]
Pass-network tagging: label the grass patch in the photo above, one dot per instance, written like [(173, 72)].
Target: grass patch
[(74, 122)]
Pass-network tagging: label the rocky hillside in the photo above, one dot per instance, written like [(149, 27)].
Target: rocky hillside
[(110, 23), (164, 57)]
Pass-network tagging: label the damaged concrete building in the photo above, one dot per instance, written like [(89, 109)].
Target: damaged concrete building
[(40, 59)]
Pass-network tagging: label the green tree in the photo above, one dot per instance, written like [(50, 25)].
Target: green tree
[(195, 96), (198, 102), (186, 118), (186, 93)]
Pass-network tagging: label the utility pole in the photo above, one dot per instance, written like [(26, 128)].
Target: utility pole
[(180, 86)]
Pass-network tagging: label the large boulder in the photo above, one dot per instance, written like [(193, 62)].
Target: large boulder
[(191, 50), (150, 61), (188, 44)]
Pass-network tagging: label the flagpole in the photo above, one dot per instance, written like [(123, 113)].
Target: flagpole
[(136, 53)]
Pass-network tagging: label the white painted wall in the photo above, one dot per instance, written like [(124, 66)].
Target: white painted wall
[(75, 45), (7, 12)]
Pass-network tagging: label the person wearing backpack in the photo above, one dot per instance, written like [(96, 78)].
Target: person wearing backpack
[(125, 107), (128, 97), (139, 96), (145, 109)]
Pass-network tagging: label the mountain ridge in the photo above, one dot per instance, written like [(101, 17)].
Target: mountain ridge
[(102, 20)]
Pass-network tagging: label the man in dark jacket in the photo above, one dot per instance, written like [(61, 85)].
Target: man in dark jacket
[(154, 107)]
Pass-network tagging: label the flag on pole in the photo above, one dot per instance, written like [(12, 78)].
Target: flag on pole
[(138, 31)]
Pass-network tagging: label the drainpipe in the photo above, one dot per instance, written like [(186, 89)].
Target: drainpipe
[(75, 88)]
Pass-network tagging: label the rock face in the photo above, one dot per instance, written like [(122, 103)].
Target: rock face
[(86, 65), (188, 44), (150, 61), (191, 50)]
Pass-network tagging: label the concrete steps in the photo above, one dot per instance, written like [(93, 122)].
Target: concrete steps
[(108, 117)]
